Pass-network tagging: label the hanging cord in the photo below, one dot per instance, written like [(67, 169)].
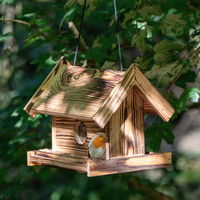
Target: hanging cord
[(79, 35), (117, 34)]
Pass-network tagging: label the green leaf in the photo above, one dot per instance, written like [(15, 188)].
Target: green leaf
[(165, 51), (129, 15), (156, 132), (193, 94), (190, 76), (166, 45), (161, 58), (50, 61), (70, 3), (172, 23), (29, 15), (189, 95), (139, 40), (5, 36), (147, 10), (41, 22), (67, 16), (165, 74), (7, 1)]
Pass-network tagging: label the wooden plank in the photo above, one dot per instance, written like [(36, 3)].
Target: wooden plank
[(129, 133), (148, 109), (153, 96), (138, 124), (71, 151), (129, 164), (115, 98), (29, 160), (115, 134), (47, 80), (73, 91), (48, 157), (126, 127), (55, 113), (64, 135)]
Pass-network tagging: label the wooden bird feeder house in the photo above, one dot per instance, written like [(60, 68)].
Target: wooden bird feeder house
[(84, 101)]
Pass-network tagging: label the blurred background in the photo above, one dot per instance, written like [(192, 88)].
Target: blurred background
[(161, 36)]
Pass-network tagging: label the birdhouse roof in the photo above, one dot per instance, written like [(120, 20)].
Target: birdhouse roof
[(91, 94)]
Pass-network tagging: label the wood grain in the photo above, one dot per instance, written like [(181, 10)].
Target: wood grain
[(49, 157), (129, 164), (115, 98), (138, 123), (154, 102), (153, 96), (73, 91), (126, 127), (65, 135), (91, 94), (46, 82)]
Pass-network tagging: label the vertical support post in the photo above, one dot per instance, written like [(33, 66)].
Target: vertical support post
[(127, 127), (138, 118)]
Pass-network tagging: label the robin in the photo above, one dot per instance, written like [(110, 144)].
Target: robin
[(97, 146)]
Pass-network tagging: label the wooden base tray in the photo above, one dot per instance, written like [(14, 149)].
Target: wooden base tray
[(100, 168), (58, 159), (129, 164)]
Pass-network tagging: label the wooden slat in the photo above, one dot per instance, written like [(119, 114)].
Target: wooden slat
[(115, 98), (148, 109), (73, 91), (49, 157), (47, 81), (129, 133), (129, 164), (153, 96), (126, 127), (64, 135), (138, 126), (115, 134)]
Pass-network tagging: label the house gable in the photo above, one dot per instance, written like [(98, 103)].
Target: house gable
[(154, 101)]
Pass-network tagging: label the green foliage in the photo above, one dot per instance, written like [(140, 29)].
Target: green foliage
[(172, 23), (190, 95), (156, 35), (5, 36), (156, 132), (7, 1), (164, 51)]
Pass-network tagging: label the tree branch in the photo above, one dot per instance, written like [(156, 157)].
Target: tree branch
[(16, 21), (25, 23), (75, 31), (150, 192)]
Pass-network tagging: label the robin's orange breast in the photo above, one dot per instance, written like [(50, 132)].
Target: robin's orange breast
[(99, 142)]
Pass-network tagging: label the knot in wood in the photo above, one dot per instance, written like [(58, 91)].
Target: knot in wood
[(77, 78)]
